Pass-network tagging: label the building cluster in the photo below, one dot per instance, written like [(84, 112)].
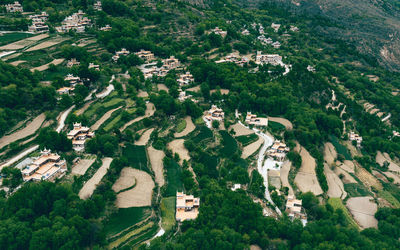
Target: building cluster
[(39, 23), (79, 135), (245, 32), (219, 31), (65, 90), (268, 41), (97, 6), (106, 28), (73, 80), (294, 28), (118, 54), (77, 22), (14, 7), (185, 79), (396, 134), (187, 207), (168, 64), (295, 210), (252, 119), (145, 55), (275, 26), (233, 58), (94, 66), (214, 114), (48, 166), (272, 59), (73, 62), (278, 150), (355, 137)]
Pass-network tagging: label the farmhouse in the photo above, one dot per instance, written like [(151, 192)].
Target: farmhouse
[(48, 166), (94, 66), (185, 79), (72, 62), (234, 59), (275, 26), (265, 40), (123, 52), (73, 80), (97, 6), (396, 134), (77, 22), (14, 7), (294, 28), (252, 119), (78, 135), (295, 210), (218, 31), (278, 150), (276, 45), (145, 55), (65, 90), (236, 187), (261, 29), (182, 96), (214, 113), (355, 137), (171, 63), (310, 68), (106, 28), (38, 23), (273, 59), (187, 207), (245, 32)]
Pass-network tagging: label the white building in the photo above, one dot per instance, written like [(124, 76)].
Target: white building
[(252, 119), (123, 52), (97, 6), (245, 32), (72, 62), (39, 23), (14, 7), (295, 210), (79, 135), (187, 207), (275, 26), (276, 45), (145, 55), (106, 28), (77, 22), (94, 66), (355, 137), (219, 31), (273, 59), (185, 79)]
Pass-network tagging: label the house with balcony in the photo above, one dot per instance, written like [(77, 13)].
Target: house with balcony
[(145, 55), (187, 207), (79, 134), (47, 167), (185, 79)]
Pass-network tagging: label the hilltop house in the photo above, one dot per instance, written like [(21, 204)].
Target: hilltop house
[(295, 210), (72, 62), (254, 120), (185, 79), (78, 135), (145, 55), (48, 166), (123, 52), (273, 59), (76, 21), (97, 6), (14, 7), (355, 137), (187, 207), (38, 23), (218, 31), (278, 151)]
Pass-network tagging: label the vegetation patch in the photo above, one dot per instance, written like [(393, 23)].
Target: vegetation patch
[(13, 37), (136, 156), (181, 126), (229, 144), (356, 190), (168, 213), (174, 177), (247, 139), (340, 149), (204, 133), (124, 218), (390, 198), (276, 127), (337, 203)]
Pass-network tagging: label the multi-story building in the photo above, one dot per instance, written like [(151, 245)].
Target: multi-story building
[(219, 31), (73, 80), (76, 21), (106, 28), (65, 90), (185, 79), (171, 63), (48, 166), (14, 7), (273, 59), (97, 6), (214, 113), (252, 119), (94, 66), (145, 55), (72, 62), (39, 23), (234, 59), (278, 150), (78, 135), (275, 26), (295, 210), (187, 207), (122, 52), (355, 137)]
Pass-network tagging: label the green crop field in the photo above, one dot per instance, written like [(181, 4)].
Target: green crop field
[(124, 218), (247, 139), (174, 177), (340, 149), (13, 37), (229, 144), (113, 102), (390, 198), (168, 213), (276, 126), (337, 203), (181, 126), (136, 156), (112, 123), (203, 134), (356, 190)]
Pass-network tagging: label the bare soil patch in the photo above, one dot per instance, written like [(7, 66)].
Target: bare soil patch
[(150, 109), (104, 118), (306, 179), (38, 37), (82, 166), (395, 177), (380, 176), (177, 147), (189, 127), (240, 130), (329, 153), (252, 148), (285, 168), (47, 44), (142, 94), (144, 138), (156, 161), (161, 86), (194, 89), (367, 178), (16, 63), (89, 187), (348, 166), (30, 129), (84, 108), (336, 188), (363, 210), (381, 158), (347, 178), (126, 179), (140, 195), (46, 66), (285, 122)]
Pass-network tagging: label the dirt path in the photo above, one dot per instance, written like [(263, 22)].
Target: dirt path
[(240, 130), (83, 109), (329, 153), (140, 195), (150, 109), (144, 138), (156, 161), (285, 122), (177, 147), (336, 188), (285, 176), (30, 129), (104, 118), (18, 157), (46, 66), (363, 210), (62, 117), (306, 179), (189, 127), (252, 148), (89, 187), (82, 166), (16, 63), (126, 179)]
